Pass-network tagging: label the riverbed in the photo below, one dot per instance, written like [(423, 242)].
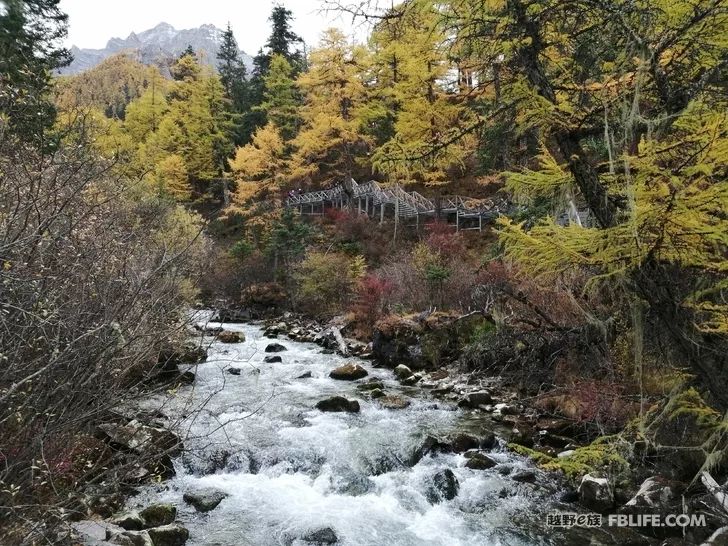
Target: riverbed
[(289, 469)]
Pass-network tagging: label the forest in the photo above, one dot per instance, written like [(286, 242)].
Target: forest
[(132, 193)]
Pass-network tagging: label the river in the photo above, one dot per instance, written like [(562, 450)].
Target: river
[(289, 469)]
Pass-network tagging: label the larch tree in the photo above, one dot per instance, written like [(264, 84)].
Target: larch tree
[(331, 139), (432, 131), (281, 97)]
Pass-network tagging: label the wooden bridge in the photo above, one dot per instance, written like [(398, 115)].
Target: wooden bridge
[(377, 201)]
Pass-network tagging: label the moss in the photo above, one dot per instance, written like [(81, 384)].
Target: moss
[(690, 404), (603, 454), (536, 456)]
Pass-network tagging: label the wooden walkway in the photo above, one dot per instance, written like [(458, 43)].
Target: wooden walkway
[(377, 201)]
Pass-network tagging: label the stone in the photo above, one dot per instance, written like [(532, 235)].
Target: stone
[(227, 336), (139, 438), (371, 385), (338, 404), (596, 493), (233, 371), (274, 348), (402, 372), (129, 521), (444, 486), (348, 372), (129, 538), (654, 493), (718, 538), (411, 380), (325, 535), (394, 402), (158, 514), (377, 393), (428, 445), (204, 500), (305, 375), (479, 461), (525, 476), (207, 329), (272, 359), (463, 442), (475, 399), (169, 535), (522, 434)]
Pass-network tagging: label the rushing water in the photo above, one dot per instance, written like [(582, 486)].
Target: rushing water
[(293, 469)]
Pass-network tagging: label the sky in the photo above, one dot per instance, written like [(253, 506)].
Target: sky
[(93, 22)]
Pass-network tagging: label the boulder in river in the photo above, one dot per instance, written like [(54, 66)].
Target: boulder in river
[(169, 535), (272, 359), (129, 538), (376, 393), (274, 348), (444, 486), (525, 476), (204, 500), (158, 514), (370, 385), (596, 493), (480, 461), (305, 375), (394, 402), (348, 372), (402, 372), (227, 336), (140, 438), (233, 371), (338, 404), (325, 535), (129, 521), (475, 399)]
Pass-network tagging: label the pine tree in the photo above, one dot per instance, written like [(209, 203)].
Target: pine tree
[(30, 31), (233, 76), (283, 40)]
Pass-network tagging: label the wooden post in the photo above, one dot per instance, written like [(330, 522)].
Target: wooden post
[(396, 216), (480, 222), (381, 213), (358, 202), (457, 219), (366, 204)]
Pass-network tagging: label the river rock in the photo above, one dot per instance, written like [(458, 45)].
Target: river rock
[(463, 442), (274, 348), (158, 514), (480, 461), (444, 486), (204, 500), (272, 359), (130, 538), (475, 399), (377, 393), (411, 380), (169, 535), (226, 336), (524, 476), (338, 404), (394, 402), (208, 330), (718, 538), (139, 438), (233, 371), (371, 385), (402, 372), (429, 444), (348, 372), (596, 493), (325, 535), (129, 521), (305, 375)]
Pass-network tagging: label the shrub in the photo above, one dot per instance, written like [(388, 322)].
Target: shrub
[(325, 282)]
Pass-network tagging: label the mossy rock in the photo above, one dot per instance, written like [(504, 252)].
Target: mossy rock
[(604, 455), (683, 432)]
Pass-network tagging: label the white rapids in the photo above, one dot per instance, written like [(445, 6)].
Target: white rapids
[(290, 469)]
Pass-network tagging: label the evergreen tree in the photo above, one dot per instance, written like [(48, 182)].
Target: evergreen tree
[(283, 40), (233, 76), (30, 31)]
